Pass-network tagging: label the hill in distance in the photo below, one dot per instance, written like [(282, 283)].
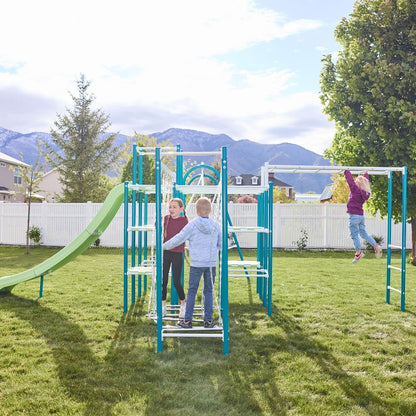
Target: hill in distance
[(244, 156)]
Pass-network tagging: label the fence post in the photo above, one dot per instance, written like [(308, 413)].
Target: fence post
[(1, 221), (277, 213), (88, 213), (325, 224), (44, 221)]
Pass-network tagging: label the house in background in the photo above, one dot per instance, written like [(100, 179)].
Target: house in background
[(326, 195), (50, 186), (10, 179), (254, 180)]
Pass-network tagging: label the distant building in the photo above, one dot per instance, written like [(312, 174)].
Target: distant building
[(253, 180), (326, 194), (10, 179), (50, 186)]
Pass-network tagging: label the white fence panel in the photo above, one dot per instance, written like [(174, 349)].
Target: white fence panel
[(326, 225)]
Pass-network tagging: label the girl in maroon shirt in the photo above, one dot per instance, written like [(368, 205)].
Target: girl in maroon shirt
[(172, 225), (360, 191)]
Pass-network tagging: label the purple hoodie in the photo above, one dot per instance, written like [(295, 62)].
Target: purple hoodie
[(357, 195)]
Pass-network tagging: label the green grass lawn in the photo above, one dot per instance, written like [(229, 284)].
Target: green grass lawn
[(331, 347)]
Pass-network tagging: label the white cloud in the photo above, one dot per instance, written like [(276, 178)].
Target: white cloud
[(164, 56)]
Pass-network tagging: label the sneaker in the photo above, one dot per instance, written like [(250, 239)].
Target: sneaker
[(182, 311), (358, 256), (378, 251), (164, 310), (184, 324), (209, 324)]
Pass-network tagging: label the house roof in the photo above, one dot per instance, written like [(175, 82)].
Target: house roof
[(279, 183), (11, 160), (326, 194), (246, 180), (49, 172), (5, 191)]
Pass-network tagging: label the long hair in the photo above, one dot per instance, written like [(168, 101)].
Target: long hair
[(363, 183), (180, 203)]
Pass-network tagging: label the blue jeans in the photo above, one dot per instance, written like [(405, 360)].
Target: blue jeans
[(195, 274), (357, 227)]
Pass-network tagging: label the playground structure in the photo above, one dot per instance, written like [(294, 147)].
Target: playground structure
[(139, 267), (388, 171)]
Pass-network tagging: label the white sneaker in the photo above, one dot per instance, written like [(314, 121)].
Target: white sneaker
[(164, 310), (358, 257), (378, 251), (182, 311)]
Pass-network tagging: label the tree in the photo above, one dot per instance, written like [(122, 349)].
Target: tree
[(148, 168), (280, 195), (31, 178), (369, 91), (85, 150), (340, 189)]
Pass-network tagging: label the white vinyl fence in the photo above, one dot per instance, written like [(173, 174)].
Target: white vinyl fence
[(325, 225)]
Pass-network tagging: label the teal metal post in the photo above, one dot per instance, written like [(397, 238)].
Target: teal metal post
[(265, 252), (270, 260), (41, 286), (177, 194), (133, 223), (404, 222), (145, 240), (389, 226), (158, 192), (259, 286), (224, 255), (126, 245), (140, 222)]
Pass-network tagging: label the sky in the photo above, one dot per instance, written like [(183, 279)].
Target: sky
[(245, 68)]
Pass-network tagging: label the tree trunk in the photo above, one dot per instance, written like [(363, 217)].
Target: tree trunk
[(413, 254), (28, 225)]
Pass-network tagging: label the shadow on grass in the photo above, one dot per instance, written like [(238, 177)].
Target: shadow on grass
[(293, 340), (131, 371), (96, 382)]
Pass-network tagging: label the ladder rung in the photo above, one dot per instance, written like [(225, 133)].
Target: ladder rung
[(392, 288), (194, 332), (189, 335), (394, 268), (141, 228), (248, 229), (249, 274), (140, 270), (393, 246), (244, 263)]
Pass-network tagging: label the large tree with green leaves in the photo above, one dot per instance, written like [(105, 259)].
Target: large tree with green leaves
[(369, 90), (84, 149)]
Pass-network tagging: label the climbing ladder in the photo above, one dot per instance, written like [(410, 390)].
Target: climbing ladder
[(261, 269), (402, 247)]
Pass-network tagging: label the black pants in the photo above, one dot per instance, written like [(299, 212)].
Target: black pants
[(176, 260)]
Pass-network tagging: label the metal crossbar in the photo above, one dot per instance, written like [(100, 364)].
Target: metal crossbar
[(332, 169)]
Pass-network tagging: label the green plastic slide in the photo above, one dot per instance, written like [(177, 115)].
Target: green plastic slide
[(77, 246)]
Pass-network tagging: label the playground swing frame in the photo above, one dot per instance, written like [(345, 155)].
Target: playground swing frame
[(387, 171)]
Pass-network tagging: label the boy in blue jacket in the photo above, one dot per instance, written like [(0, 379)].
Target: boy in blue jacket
[(204, 235), (360, 191)]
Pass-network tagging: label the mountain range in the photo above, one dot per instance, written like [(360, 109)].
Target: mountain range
[(244, 156)]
